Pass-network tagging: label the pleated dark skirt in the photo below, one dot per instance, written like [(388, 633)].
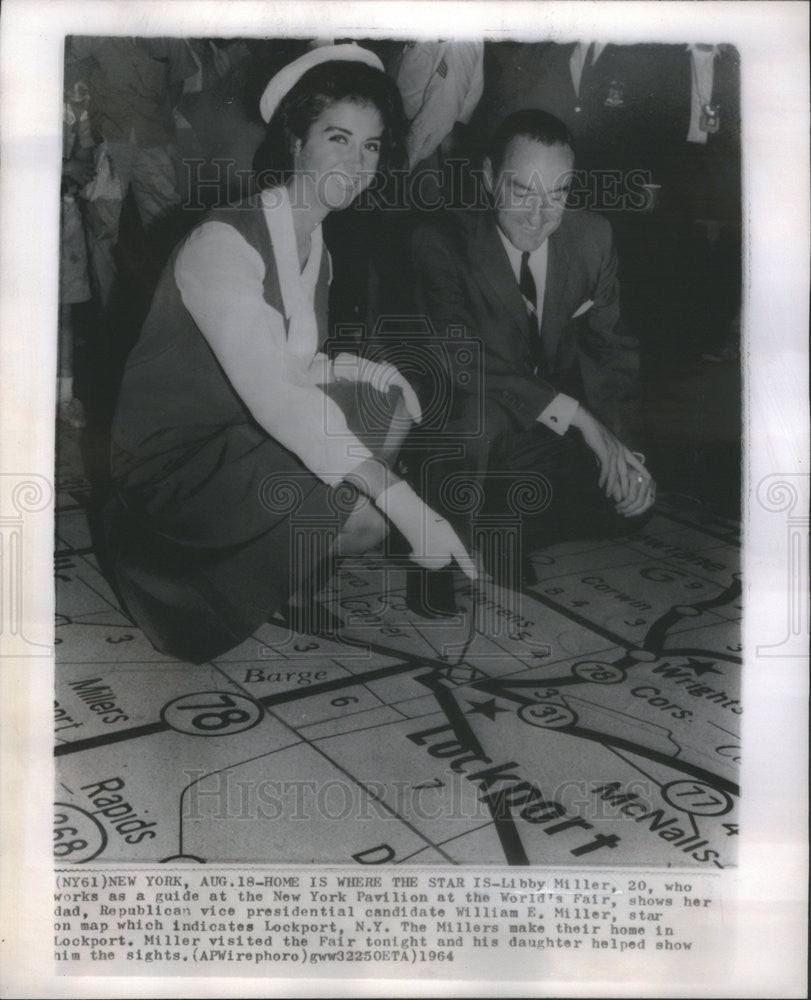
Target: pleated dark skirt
[(206, 541)]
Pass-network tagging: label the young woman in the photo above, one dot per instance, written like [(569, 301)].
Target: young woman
[(227, 443)]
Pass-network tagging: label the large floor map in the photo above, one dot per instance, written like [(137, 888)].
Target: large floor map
[(592, 718)]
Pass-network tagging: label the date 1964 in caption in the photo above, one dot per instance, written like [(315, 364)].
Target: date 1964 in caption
[(194, 922)]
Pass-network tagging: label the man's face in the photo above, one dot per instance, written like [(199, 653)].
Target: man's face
[(530, 190)]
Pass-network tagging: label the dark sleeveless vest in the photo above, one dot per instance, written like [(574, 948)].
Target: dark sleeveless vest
[(196, 554), (174, 391)]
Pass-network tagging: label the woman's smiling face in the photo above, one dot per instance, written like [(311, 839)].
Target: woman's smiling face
[(340, 155)]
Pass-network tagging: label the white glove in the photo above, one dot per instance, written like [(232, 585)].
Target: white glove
[(381, 375), (320, 369), (433, 541)]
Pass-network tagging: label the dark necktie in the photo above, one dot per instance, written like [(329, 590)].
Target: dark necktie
[(527, 285)]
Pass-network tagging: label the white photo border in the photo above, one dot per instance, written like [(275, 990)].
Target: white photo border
[(765, 898)]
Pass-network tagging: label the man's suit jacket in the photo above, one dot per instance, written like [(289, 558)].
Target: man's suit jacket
[(464, 278), (611, 127), (702, 181)]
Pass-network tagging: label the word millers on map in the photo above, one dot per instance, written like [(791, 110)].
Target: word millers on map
[(101, 698)]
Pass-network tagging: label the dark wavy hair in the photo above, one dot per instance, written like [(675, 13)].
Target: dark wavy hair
[(318, 89), (532, 123)]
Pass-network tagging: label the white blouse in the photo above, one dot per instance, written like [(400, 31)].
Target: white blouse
[(277, 373)]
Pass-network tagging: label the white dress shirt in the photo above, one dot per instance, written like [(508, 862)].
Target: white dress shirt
[(270, 359), (557, 415), (577, 62)]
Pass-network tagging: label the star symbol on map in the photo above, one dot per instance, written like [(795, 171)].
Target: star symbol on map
[(701, 667), (487, 708)]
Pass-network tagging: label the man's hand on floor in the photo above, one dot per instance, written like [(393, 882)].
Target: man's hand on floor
[(623, 478)]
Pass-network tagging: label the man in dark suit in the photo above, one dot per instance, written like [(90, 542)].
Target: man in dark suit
[(536, 285)]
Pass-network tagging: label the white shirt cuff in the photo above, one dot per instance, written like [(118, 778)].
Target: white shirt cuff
[(557, 416)]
